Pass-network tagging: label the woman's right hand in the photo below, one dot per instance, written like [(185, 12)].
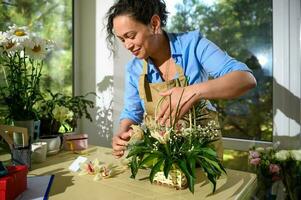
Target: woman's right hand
[(120, 142)]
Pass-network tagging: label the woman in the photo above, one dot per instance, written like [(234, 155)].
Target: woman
[(162, 64)]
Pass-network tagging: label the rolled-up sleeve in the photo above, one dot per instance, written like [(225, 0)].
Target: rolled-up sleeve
[(215, 61), (133, 109)]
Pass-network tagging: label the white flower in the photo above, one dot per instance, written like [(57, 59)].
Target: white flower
[(162, 136), (282, 155), (3, 38), (18, 34), (62, 113), (36, 48), (296, 155), (186, 132), (11, 47)]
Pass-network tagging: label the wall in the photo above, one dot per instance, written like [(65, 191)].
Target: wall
[(94, 68)]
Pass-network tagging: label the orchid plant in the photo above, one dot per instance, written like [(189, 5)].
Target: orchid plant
[(21, 60), (176, 148)]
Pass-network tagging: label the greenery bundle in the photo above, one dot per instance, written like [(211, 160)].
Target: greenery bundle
[(165, 149)]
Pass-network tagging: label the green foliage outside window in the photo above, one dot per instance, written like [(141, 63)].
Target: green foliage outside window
[(244, 29), (50, 19)]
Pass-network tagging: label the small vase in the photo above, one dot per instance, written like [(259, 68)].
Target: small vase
[(54, 143), (176, 179)]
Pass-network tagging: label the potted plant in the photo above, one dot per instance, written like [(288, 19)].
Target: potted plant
[(58, 114), (21, 61)]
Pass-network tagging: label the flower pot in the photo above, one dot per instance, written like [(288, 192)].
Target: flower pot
[(49, 127), (29, 124), (54, 143), (176, 179), (39, 151)]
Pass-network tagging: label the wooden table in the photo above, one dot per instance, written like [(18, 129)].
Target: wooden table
[(69, 185)]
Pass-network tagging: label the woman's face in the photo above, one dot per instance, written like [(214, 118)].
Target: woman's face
[(135, 36)]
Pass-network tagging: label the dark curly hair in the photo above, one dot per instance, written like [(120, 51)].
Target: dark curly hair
[(140, 10)]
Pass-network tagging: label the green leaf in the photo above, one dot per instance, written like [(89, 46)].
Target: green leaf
[(215, 164), (149, 158), (209, 151), (134, 166), (211, 174), (191, 180), (191, 163), (167, 166), (137, 150), (155, 169), (212, 179)]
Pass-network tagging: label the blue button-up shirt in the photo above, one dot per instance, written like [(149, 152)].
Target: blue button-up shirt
[(199, 58)]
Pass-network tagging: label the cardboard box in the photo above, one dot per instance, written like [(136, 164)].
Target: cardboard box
[(75, 142), (13, 184)]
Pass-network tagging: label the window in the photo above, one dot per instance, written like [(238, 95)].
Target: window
[(51, 20), (275, 24), (245, 31)]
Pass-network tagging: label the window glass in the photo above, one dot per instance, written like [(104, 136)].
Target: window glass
[(50, 19), (244, 30)]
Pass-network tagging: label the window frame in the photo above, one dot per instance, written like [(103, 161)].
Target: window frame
[(286, 71)]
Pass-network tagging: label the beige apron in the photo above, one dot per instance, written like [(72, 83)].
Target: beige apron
[(149, 93)]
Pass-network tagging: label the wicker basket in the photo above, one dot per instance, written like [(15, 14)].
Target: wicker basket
[(176, 179)]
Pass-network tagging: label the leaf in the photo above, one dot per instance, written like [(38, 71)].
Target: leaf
[(214, 164), (191, 163), (208, 150), (155, 169), (134, 166), (167, 166), (211, 175), (191, 180), (177, 109), (149, 158), (137, 150), (212, 179)]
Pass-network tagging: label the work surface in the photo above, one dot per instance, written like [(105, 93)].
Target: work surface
[(69, 185)]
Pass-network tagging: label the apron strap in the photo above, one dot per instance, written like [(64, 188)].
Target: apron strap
[(143, 82)]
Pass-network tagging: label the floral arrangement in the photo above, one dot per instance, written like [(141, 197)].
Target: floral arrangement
[(21, 59), (274, 167), (173, 153)]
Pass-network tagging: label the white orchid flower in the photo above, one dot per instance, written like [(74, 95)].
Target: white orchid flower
[(162, 136)]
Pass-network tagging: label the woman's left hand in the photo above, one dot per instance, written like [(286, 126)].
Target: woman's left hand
[(169, 105)]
